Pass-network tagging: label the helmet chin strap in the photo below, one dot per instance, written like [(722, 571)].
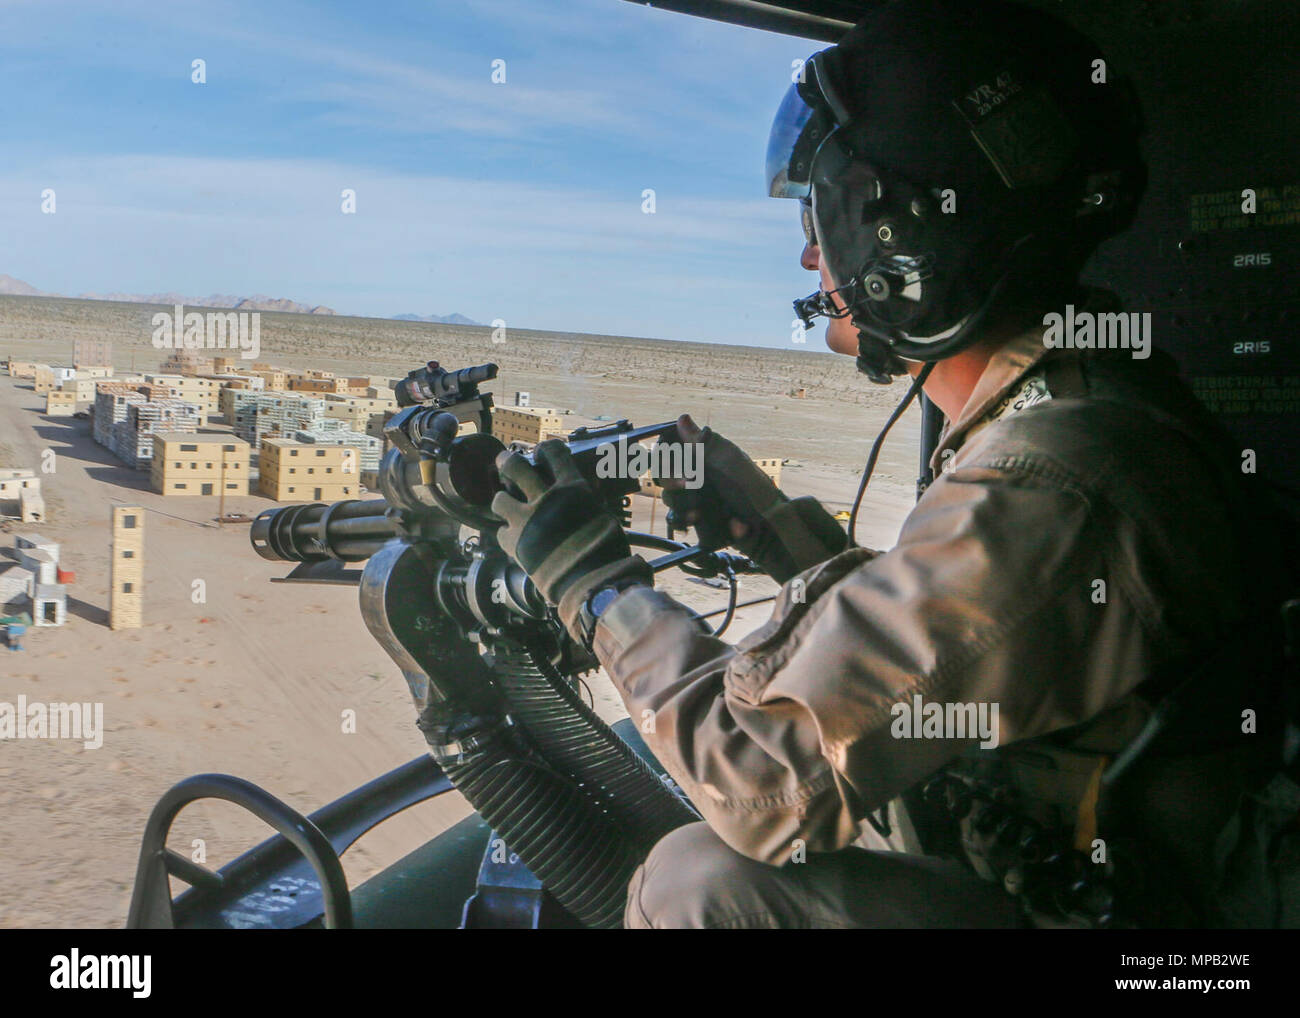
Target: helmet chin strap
[(877, 358)]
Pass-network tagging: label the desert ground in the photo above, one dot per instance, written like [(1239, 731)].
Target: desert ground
[(254, 681)]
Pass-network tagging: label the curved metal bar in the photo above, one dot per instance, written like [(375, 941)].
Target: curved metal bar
[(151, 887)]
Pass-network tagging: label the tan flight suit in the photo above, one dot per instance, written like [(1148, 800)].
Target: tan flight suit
[(1083, 535)]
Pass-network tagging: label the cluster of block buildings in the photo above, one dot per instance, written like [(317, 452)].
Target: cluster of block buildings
[(311, 435), (35, 585), (281, 419), (33, 582), (304, 468), (528, 424), (281, 415)]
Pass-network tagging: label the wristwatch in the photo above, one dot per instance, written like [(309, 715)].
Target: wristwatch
[(596, 604)]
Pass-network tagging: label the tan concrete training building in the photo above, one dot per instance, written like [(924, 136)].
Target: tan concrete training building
[(61, 403), (291, 471), (191, 464), (126, 571), (20, 495), (526, 424)]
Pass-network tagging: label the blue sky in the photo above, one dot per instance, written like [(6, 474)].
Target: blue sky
[(520, 201)]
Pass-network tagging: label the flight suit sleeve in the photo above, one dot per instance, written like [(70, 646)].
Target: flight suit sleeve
[(788, 738)]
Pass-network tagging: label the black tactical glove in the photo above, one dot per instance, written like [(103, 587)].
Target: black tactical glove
[(738, 505), (561, 534)]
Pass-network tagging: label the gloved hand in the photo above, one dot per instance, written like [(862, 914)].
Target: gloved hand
[(738, 505), (561, 534)]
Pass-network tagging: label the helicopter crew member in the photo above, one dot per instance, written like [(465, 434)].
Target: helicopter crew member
[(1087, 560)]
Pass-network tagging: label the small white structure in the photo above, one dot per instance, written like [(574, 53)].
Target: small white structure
[(40, 557), (522, 398), (24, 542), (38, 563), (15, 587), (41, 564), (49, 604), (31, 505)]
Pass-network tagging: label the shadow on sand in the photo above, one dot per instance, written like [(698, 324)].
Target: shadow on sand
[(90, 612)]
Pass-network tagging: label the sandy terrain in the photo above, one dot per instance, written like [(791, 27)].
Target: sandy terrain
[(255, 680)]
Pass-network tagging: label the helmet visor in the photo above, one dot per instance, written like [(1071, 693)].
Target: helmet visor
[(788, 162)]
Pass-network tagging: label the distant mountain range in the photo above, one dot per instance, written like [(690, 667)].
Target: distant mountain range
[(258, 302), (453, 319), (11, 287)]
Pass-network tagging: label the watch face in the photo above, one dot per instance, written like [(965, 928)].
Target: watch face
[(601, 600)]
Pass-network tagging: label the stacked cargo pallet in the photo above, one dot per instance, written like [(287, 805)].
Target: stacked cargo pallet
[(328, 425), (369, 449), (132, 439), (111, 401), (258, 415)]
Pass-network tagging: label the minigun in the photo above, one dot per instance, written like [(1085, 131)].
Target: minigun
[(492, 671)]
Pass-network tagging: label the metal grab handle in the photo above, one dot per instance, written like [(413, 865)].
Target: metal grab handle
[(151, 901)]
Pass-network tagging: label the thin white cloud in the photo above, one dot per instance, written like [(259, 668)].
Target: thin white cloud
[(529, 253)]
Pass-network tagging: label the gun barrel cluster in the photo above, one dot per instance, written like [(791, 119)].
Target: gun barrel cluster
[(349, 531)]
